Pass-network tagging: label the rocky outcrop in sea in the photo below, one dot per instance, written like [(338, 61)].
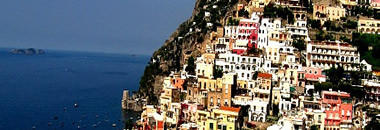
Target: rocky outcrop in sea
[(29, 51)]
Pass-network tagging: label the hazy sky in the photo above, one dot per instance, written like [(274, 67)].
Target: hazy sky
[(119, 26)]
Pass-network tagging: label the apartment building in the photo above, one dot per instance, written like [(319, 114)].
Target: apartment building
[(368, 25), (338, 109), (327, 54), (324, 12), (205, 65), (243, 66)]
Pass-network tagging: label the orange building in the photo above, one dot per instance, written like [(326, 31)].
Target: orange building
[(338, 109), (177, 82)]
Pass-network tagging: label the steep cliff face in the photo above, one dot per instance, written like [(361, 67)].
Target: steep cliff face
[(190, 38)]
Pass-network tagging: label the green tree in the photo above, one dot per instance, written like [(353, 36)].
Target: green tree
[(243, 13), (320, 36), (328, 25), (314, 23), (275, 110), (182, 96), (218, 73), (272, 11), (330, 37), (190, 65), (252, 50), (255, 75), (350, 24), (363, 41), (336, 74), (354, 91), (345, 39), (314, 127), (376, 51), (373, 124), (324, 86), (299, 44)]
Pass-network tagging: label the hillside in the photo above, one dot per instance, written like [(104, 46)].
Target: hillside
[(190, 38)]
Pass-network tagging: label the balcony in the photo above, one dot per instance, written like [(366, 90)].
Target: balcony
[(263, 91), (331, 101)]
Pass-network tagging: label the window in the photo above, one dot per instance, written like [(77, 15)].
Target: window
[(219, 127), (211, 126)]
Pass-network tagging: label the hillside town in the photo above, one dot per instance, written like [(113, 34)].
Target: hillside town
[(276, 65)]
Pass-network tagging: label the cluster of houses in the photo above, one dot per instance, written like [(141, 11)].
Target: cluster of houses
[(251, 73)]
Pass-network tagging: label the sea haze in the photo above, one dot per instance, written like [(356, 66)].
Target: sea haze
[(34, 90)]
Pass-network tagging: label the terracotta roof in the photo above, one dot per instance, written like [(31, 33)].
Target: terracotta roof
[(376, 72), (258, 9), (233, 109), (264, 75)]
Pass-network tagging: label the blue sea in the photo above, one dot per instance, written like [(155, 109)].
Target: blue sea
[(39, 91)]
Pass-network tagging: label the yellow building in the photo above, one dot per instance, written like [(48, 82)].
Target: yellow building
[(224, 118), (368, 25), (205, 65), (258, 3), (289, 75), (276, 95), (319, 119), (170, 95), (205, 83), (242, 84), (324, 12), (202, 119), (348, 2)]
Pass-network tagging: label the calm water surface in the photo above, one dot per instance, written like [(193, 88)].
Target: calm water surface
[(35, 90)]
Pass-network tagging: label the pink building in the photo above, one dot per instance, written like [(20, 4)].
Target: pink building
[(313, 75), (375, 4), (188, 112), (247, 35), (338, 109)]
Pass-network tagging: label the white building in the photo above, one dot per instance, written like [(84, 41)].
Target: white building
[(329, 54), (243, 66), (298, 30), (231, 31), (267, 25), (257, 107)]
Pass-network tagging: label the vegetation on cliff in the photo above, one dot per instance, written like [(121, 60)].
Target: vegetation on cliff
[(186, 38), (369, 48), (272, 11)]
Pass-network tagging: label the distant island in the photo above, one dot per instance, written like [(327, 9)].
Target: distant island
[(29, 51)]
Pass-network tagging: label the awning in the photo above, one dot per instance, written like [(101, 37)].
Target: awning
[(292, 89)]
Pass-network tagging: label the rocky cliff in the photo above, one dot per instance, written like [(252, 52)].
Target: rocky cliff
[(190, 38)]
